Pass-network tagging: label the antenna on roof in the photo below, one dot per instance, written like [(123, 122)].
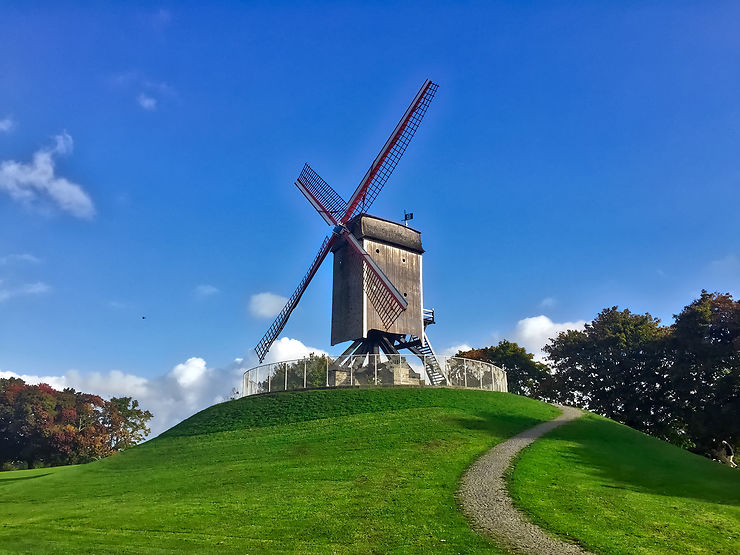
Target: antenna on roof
[(406, 217)]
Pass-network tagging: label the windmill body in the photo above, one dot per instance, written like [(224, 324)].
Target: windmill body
[(397, 251)]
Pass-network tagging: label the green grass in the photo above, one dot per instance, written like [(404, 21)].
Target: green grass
[(619, 491), (346, 471)]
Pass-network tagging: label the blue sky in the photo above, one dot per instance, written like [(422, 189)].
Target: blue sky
[(575, 157)]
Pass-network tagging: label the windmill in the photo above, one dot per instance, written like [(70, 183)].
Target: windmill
[(377, 287)]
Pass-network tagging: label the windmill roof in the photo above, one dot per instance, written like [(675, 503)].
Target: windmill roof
[(386, 231)]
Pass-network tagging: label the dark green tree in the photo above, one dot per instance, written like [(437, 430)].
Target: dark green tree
[(617, 366), (680, 383), (705, 352)]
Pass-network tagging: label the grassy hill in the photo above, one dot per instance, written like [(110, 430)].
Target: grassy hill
[(620, 491), (371, 470)]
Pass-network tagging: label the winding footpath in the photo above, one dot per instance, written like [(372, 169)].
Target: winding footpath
[(486, 502)]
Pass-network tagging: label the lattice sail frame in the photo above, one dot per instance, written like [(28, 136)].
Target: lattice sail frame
[(387, 160), (327, 202), (383, 295)]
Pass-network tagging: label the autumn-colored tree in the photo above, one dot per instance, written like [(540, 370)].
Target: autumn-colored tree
[(40, 426)]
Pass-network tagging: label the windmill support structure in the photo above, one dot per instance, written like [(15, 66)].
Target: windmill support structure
[(379, 342)]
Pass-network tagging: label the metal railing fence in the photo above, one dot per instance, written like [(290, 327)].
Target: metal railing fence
[(370, 370)]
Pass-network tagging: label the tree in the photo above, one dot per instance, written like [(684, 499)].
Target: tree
[(680, 383), (40, 426), (125, 423), (616, 367), (524, 374), (705, 349)]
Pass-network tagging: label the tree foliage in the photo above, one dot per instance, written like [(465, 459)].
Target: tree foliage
[(680, 382), (40, 426), (614, 367), (704, 345), (125, 423), (524, 374)]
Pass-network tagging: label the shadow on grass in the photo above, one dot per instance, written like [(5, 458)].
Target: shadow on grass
[(4, 481), (623, 458), (493, 422)]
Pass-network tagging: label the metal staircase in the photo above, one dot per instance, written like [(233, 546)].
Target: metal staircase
[(423, 349)]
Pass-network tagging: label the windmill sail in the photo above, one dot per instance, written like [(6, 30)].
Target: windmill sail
[(327, 202), (386, 161), (385, 298), (282, 318)]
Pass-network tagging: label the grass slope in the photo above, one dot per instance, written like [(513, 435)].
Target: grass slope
[(312, 471), (619, 491)]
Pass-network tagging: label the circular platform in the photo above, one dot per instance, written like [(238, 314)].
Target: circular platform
[(317, 371)]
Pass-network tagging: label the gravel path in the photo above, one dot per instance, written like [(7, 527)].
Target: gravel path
[(487, 504)]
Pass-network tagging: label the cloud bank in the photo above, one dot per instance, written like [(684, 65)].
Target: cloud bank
[(36, 182), (187, 388)]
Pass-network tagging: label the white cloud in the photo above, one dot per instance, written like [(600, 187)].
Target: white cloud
[(36, 288), (6, 125), (548, 302), (110, 384), (63, 144), (452, 351), (149, 93), (147, 102), (266, 305), (204, 291), (533, 333), (190, 371), (57, 382), (187, 388), (286, 348), (35, 182), (18, 258)]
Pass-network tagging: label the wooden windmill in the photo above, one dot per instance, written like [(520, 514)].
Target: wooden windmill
[(377, 300)]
